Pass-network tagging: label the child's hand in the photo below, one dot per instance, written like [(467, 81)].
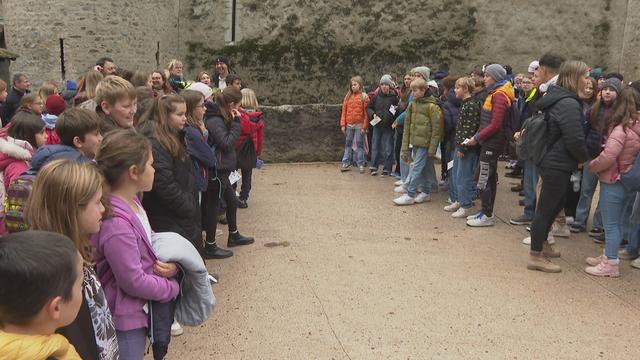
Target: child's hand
[(363, 130), (394, 125), (166, 270), (344, 130), (235, 112), (516, 135), (460, 154)]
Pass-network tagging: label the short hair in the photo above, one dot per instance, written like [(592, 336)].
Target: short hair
[(76, 122), (551, 61), (466, 82), (419, 84), (104, 60), (231, 78), (17, 77), (113, 88), (140, 78), (35, 266), (614, 75)]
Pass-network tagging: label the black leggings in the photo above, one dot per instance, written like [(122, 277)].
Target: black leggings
[(211, 201), (552, 197)]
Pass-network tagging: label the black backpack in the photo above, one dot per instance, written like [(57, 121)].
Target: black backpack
[(534, 140), (246, 155)]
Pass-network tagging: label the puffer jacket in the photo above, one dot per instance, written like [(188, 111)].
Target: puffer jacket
[(494, 112), (567, 146), (353, 110), (619, 153), (423, 125), (224, 137), (14, 160), (380, 105)]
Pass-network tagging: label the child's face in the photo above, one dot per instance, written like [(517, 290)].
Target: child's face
[(488, 80), (122, 112), (156, 81), (355, 87), (587, 93), (407, 80), (527, 84), (37, 106), (461, 92), (237, 84), (418, 93), (41, 138), (205, 79), (89, 147), (3, 95), (198, 112), (145, 176), (66, 312), (385, 88), (91, 215), (178, 118), (608, 95)]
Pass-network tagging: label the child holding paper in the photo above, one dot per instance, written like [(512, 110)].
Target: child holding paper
[(381, 111)]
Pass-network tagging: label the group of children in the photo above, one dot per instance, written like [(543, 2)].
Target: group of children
[(111, 220), (472, 121)]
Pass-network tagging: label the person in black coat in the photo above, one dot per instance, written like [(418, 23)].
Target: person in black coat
[(383, 106), (172, 204), (21, 85), (224, 130)]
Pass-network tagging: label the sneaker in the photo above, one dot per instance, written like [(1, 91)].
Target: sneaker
[(624, 255), (635, 263), (422, 197), (570, 220), (384, 173), (404, 200), (176, 329), (550, 239), (599, 239), (398, 183), (478, 214), (453, 207), (521, 220), (361, 169), (560, 230), (528, 228), (373, 172), (449, 201), (481, 221), (213, 278), (527, 240), (605, 268), (593, 261), (596, 231), (577, 228), (460, 213), (400, 189), (395, 175), (242, 204), (345, 167)]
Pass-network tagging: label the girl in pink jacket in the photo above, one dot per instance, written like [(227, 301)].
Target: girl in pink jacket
[(620, 151)]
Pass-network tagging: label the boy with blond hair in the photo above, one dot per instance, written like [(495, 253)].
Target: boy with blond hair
[(115, 103)]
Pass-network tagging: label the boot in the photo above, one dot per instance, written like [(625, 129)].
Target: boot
[(537, 261), (549, 250), (212, 251), (236, 239)]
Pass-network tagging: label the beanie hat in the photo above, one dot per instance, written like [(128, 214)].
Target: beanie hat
[(387, 79), (533, 66), (222, 59), (613, 83), (596, 73), (433, 84), (496, 71), (71, 85), (201, 88), (55, 105), (422, 70)]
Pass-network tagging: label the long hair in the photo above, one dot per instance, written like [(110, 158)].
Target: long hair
[(61, 192), (25, 125), (91, 81), (249, 100), (230, 95), (47, 89), (624, 110), (166, 88), (192, 98), (166, 134), (360, 82)]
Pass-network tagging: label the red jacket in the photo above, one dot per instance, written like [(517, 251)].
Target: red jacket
[(251, 124)]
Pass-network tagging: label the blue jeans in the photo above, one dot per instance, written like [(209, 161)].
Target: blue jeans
[(530, 185), (588, 187), (132, 343), (422, 162), (348, 151), (634, 239), (467, 189), (382, 148), (615, 199), (452, 181)]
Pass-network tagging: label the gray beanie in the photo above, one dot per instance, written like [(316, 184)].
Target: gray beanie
[(387, 79), (423, 70), (613, 83), (496, 71)]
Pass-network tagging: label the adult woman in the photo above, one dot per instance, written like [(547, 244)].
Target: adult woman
[(159, 84), (566, 149), (87, 92)]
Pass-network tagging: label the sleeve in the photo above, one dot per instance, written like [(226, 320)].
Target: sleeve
[(407, 129), (365, 120), (224, 137), (371, 107), (499, 106), (198, 147), (127, 266), (612, 149), (569, 119), (343, 113), (166, 187), (437, 128)]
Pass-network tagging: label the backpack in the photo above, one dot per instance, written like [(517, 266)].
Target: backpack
[(17, 195), (534, 141), (246, 155), (631, 179)]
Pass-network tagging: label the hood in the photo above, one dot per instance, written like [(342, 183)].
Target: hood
[(429, 99), (13, 150), (49, 121), (211, 109), (452, 99), (48, 153), (16, 346), (553, 95)]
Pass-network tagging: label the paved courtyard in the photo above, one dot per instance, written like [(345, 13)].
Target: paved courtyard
[(339, 272)]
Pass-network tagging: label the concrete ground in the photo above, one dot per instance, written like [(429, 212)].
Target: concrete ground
[(339, 272)]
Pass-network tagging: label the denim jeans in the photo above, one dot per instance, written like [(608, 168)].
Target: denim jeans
[(615, 199), (354, 132), (465, 178), (382, 148), (422, 162), (588, 187), (452, 181), (530, 180), (246, 183), (132, 343)]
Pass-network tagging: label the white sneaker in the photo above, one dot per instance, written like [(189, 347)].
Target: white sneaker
[(481, 221), (471, 217), (527, 240), (460, 213), (636, 263), (452, 207), (404, 200), (560, 230), (570, 220), (449, 201), (550, 240), (400, 189), (176, 329), (422, 197), (398, 183)]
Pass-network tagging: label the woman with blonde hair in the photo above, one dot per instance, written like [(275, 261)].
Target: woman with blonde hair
[(176, 75), (87, 92)]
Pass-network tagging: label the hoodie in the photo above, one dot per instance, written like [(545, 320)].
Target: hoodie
[(451, 109), (15, 156), (48, 153)]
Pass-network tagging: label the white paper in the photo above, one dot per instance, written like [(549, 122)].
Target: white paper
[(392, 109), (450, 165), (234, 177), (375, 120)]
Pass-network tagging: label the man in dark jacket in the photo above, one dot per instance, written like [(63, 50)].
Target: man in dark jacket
[(382, 107), (223, 69), (21, 85)]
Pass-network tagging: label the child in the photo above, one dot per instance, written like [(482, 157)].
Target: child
[(40, 291), (204, 78), (127, 266), (235, 81), (116, 103), (354, 123), (252, 128), (31, 103), (66, 200), (465, 160), (196, 135), (423, 127), (55, 106), (85, 98), (383, 106), (47, 89), (172, 202)]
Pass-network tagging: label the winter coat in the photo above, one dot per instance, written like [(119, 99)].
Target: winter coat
[(451, 109), (423, 125), (11, 105), (202, 158), (468, 121), (48, 153), (14, 160), (353, 110), (566, 140), (50, 129), (224, 137), (380, 104), (251, 124), (619, 153), (593, 135), (19, 346), (494, 112), (124, 261), (196, 302)]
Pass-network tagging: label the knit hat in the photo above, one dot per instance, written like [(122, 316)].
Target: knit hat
[(387, 79), (533, 66), (71, 85), (55, 105), (613, 83), (496, 71), (222, 59), (596, 73), (433, 84), (202, 88), (423, 70)]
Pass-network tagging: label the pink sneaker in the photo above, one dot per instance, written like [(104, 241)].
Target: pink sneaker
[(593, 261), (605, 268)]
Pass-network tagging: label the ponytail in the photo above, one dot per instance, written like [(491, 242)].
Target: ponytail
[(224, 100)]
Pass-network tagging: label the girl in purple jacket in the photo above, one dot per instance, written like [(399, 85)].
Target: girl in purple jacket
[(126, 264)]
